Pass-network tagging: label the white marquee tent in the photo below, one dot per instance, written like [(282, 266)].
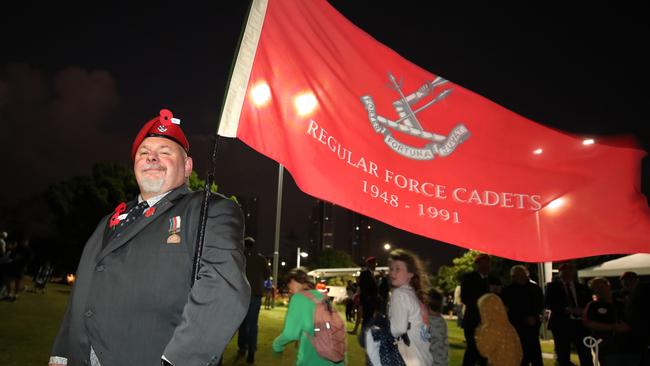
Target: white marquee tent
[(639, 263), (338, 292), (333, 272)]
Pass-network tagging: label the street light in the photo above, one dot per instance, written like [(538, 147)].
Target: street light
[(300, 254), (387, 246), (284, 263)]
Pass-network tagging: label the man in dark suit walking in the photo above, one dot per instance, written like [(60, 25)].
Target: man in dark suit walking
[(567, 299), (474, 285), (368, 296), (133, 302), (525, 302), (257, 271)]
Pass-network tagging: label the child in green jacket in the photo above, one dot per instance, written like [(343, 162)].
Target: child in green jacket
[(299, 322)]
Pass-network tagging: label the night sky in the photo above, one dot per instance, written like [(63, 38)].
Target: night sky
[(78, 81)]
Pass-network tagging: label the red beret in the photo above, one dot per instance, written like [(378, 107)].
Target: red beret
[(165, 125)]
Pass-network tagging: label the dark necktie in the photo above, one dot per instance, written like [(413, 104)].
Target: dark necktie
[(135, 212), (569, 294)]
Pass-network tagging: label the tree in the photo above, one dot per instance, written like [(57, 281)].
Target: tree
[(449, 276), (80, 202), (77, 204), (197, 184), (339, 280), (115, 183), (332, 258)]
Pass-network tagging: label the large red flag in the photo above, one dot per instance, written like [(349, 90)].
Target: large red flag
[(358, 125)]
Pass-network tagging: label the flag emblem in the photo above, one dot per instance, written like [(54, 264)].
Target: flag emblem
[(408, 123)]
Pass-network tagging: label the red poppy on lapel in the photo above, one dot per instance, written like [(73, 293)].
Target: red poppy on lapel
[(150, 211), (118, 211)]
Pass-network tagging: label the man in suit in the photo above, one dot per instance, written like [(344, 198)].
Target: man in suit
[(257, 271), (134, 302), (629, 281), (525, 302), (474, 285), (567, 299), (368, 296)]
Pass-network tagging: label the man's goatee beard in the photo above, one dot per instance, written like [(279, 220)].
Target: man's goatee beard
[(152, 185)]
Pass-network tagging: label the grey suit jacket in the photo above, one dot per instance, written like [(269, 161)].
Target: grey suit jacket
[(133, 300)]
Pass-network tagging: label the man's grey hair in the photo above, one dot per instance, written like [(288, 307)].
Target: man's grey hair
[(521, 267)]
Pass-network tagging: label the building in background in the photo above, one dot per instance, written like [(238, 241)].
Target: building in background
[(335, 227), (249, 206), (361, 229)]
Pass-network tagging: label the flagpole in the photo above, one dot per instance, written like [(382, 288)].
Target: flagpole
[(542, 274), (209, 180), (298, 258), (278, 216)]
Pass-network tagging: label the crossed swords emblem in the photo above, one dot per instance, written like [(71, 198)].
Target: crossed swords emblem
[(408, 122)]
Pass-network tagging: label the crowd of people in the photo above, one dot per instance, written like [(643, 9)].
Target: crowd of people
[(501, 323), (15, 255), (400, 316), (398, 313), (143, 296), (617, 321)]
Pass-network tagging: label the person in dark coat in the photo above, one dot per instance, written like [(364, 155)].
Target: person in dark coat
[(134, 301), (368, 296), (42, 276), (20, 258), (566, 299), (257, 271), (637, 314), (383, 290), (474, 285), (629, 281), (607, 321), (525, 302), (350, 290)]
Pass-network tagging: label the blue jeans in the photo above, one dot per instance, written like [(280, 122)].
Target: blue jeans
[(247, 337)]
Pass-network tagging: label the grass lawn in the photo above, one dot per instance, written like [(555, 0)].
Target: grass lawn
[(29, 326)]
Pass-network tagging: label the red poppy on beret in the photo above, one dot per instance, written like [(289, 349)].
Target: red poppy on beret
[(166, 126)]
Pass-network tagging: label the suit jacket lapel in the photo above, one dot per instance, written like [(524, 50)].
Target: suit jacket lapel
[(163, 205)]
